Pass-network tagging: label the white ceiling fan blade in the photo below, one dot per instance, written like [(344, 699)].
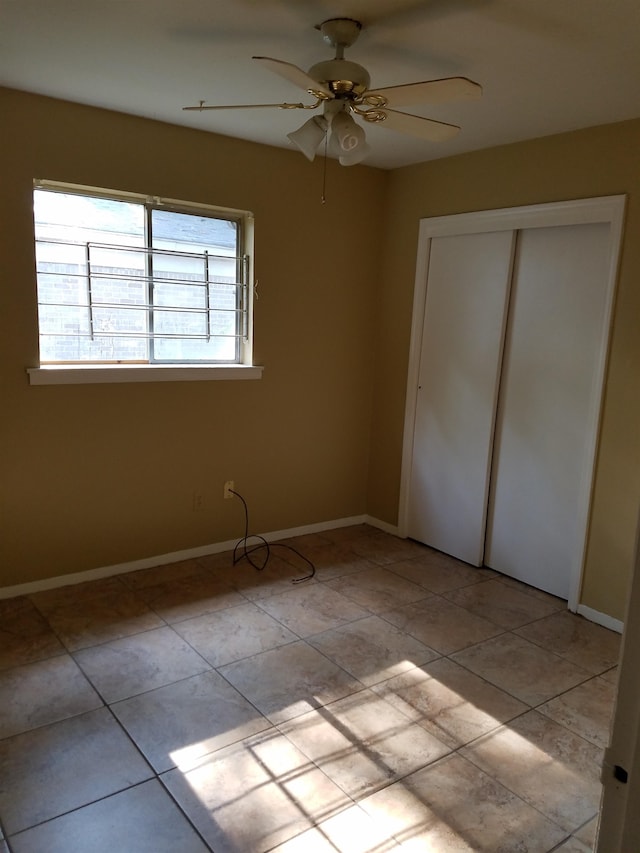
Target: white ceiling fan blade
[(204, 106), (425, 128), (429, 92), (294, 75)]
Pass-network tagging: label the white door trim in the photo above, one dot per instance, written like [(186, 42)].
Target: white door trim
[(607, 209)]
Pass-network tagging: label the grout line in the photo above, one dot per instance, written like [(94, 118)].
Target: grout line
[(258, 604), (78, 808)]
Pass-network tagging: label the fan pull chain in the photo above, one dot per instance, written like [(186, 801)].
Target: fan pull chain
[(324, 171)]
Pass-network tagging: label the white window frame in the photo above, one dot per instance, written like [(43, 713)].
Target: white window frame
[(89, 373)]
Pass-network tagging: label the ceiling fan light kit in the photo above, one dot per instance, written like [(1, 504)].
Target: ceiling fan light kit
[(348, 140), (349, 135), (341, 87), (308, 137)]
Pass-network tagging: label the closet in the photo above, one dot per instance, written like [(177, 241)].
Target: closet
[(509, 340)]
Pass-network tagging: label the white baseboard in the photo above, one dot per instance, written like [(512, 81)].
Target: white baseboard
[(393, 529), (177, 556), (218, 547), (601, 618)]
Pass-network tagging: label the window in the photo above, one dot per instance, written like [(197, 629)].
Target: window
[(127, 280)]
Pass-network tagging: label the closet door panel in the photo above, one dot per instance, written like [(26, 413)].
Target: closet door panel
[(547, 394), (466, 298)]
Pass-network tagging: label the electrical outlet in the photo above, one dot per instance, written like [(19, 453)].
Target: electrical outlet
[(198, 502), (228, 489)]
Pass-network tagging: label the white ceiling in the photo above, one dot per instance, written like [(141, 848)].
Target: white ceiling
[(545, 66)]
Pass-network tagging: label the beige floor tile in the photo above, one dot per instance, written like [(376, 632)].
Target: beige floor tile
[(441, 624), (384, 549), (424, 811), (95, 612), (439, 572), (333, 560), (351, 831), (524, 670), (500, 603), (254, 795), (362, 743), (611, 675), (159, 575), (450, 702), (351, 533), (136, 664), (176, 724), (43, 692), (552, 769), (277, 576), (375, 606), (588, 832), (572, 845), (190, 596), (572, 637), (290, 680), (301, 543), (230, 635), (25, 635), (139, 820), (372, 650), (56, 768), (378, 589), (553, 600), (311, 609), (585, 710)]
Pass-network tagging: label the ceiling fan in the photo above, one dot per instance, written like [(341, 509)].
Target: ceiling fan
[(341, 88)]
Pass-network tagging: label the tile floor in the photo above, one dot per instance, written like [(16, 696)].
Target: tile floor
[(398, 701)]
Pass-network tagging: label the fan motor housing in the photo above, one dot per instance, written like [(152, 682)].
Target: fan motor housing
[(346, 79)]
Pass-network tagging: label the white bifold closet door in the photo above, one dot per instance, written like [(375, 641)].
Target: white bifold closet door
[(508, 384), (542, 438), (464, 320)]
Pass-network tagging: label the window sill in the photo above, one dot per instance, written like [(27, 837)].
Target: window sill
[(89, 374)]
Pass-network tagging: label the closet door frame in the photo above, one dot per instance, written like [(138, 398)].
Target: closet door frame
[(606, 209)]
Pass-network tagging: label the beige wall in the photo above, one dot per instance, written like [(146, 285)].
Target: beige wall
[(94, 475), (595, 162), (97, 475)]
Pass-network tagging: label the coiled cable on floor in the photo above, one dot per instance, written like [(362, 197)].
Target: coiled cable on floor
[(244, 551)]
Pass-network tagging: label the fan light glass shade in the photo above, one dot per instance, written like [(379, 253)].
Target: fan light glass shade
[(349, 134), (308, 137), (348, 140), (350, 158)]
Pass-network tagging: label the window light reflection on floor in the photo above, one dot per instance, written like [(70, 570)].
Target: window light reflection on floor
[(278, 777)]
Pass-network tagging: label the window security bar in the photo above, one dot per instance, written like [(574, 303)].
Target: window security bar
[(88, 287), (243, 295), (143, 278), (141, 306), (143, 336), (144, 250), (207, 296), (206, 280)]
